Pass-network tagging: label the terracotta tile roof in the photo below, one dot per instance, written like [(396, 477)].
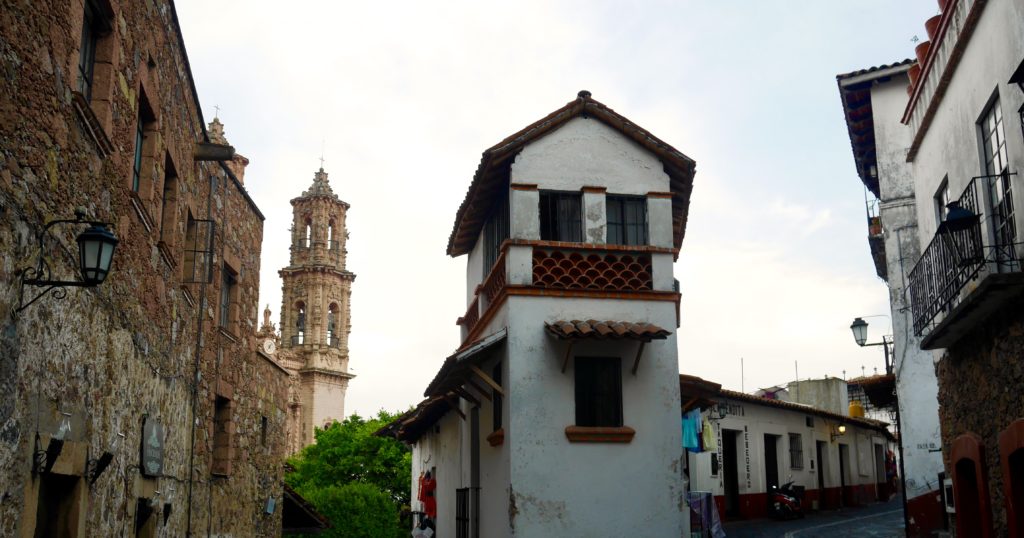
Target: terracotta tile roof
[(491, 175), (687, 384), (865, 71), (606, 330), (856, 98)]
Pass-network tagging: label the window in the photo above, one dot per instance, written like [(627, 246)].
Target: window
[(495, 233), (970, 486), (228, 296), (496, 401), (144, 126), (332, 332), (627, 220), (993, 141), (169, 202), (92, 27), (560, 217), (221, 436), (941, 201), (598, 391), (300, 323), (331, 243), (796, 451)]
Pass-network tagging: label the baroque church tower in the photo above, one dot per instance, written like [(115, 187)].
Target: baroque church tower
[(315, 312)]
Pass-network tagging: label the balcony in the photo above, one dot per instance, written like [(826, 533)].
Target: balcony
[(567, 270), (876, 238), (964, 276)]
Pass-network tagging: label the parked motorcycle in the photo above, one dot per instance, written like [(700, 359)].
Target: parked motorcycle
[(786, 502)]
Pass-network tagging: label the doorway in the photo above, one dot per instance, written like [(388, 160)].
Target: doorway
[(771, 462), (844, 465), (821, 450), (730, 471), (881, 487)]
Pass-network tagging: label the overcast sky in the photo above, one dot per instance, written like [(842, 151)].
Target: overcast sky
[(406, 96)]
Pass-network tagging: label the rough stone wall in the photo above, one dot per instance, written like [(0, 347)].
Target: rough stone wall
[(316, 277), (113, 356), (980, 380)]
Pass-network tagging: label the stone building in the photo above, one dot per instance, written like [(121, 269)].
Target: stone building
[(315, 314), (959, 138), (140, 406)]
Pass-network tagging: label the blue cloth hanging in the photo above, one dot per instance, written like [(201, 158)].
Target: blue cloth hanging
[(691, 426)]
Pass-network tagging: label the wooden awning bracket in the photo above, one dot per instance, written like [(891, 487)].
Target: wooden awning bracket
[(486, 379), (568, 353), (636, 361), (454, 405), (465, 395), (479, 390)]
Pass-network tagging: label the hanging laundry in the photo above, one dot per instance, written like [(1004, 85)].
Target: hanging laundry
[(707, 435), (691, 425)]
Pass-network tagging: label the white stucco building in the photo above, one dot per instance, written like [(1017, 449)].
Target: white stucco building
[(559, 414), (948, 137), (760, 442), (873, 102)]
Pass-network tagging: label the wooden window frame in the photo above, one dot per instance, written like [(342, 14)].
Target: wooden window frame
[(555, 224), (621, 229)]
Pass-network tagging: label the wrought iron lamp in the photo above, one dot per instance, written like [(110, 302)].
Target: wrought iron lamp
[(860, 335), (957, 219), (44, 459), (838, 432), (95, 252)]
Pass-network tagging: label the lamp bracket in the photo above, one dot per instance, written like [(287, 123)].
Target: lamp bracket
[(42, 274)]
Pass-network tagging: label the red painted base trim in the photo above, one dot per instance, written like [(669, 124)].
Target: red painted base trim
[(926, 514)]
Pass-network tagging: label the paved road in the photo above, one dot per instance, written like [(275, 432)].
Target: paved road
[(879, 520)]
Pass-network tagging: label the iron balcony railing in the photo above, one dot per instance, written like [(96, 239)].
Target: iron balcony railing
[(954, 259)]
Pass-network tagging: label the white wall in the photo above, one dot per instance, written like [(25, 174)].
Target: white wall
[(763, 419), (577, 489), (951, 144), (916, 386), (586, 152)]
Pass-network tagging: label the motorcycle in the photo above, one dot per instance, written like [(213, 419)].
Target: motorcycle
[(786, 502)]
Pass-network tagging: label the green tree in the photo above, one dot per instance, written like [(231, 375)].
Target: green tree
[(354, 477), (357, 510)]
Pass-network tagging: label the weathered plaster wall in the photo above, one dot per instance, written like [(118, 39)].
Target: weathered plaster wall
[(545, 466), (916, 386), (758, 420), (125, 351)]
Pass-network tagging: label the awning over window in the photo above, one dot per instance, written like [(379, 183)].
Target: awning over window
[(606, 330)]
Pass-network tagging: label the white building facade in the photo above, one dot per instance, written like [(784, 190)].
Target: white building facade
[(960, 140), (873, 102), (759, 442), (559, 414)]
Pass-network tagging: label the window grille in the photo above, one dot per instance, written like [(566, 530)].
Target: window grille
[(627, 220), (198, 251), (598, 391), (561, 218)]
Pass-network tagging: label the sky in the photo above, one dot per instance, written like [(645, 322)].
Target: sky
[(401, 98)]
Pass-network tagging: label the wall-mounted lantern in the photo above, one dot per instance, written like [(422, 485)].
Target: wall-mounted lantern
[(957, 219), (838, 432), (95, 253), (45, 458), (95, 468)]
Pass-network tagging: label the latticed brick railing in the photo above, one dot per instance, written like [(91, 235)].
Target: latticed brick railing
[(590, 270)]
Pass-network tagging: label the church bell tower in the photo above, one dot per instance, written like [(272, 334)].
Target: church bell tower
[(315, 311)]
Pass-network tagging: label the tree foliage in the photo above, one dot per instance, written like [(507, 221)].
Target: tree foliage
[(359, 481), (357, 510)]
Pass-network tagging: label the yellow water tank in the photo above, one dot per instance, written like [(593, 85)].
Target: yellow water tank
[(856, 409)]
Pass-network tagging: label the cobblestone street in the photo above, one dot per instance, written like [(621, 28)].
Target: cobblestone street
[(879, 520)]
